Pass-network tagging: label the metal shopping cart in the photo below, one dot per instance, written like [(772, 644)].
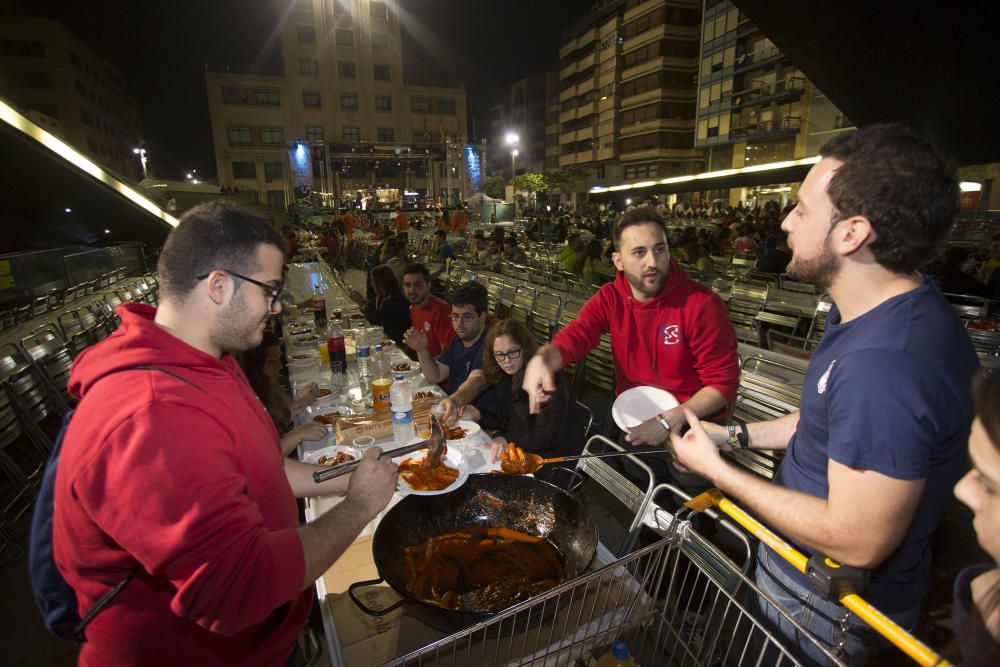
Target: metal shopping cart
[(677, 601)]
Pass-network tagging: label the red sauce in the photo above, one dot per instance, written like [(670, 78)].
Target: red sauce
[(421, 477), (481, 569)]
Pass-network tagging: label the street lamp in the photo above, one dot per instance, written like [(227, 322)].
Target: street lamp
[(141, 152), (512, 140)]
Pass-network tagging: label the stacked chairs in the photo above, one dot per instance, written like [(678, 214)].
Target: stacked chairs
[(19, 477), (743, 263), (493, 287), (768, 389), (545, 316), (596, 386), (505, 300), (786, 283), (968, 306), (52, 358), (523, 304), (818, 324), (557, 281), (985, 337), (746, 301)]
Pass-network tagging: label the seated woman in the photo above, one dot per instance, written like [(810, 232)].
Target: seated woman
[(976, 613), (389, 309), (552, 432), (262, 366)]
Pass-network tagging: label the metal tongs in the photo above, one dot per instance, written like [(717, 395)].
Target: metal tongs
[(434, 444)]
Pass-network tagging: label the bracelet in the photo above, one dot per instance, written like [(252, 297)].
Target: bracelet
[(744, 435), (734, 440), (664, 423)]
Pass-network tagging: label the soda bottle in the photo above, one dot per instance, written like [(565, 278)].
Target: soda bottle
[(618, 656), (319, 307), (335, 343), (401, 399)]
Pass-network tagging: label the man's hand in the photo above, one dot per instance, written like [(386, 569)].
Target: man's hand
[(416, 340), (695, 451), (539, 383), (372, 483), (471, 413), (450, 411), (651, 431)]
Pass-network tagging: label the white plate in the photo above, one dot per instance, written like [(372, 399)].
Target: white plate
[(636, 405), (453, 458), (472, 429), (313, 457)]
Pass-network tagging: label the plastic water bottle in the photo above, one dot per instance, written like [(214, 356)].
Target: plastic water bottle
[(364, 362), (618, 656), (401, 400)]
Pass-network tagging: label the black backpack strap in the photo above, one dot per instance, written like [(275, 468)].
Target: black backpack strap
[(105, 599)]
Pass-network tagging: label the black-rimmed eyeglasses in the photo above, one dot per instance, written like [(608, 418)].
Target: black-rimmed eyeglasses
[(513, 355), (277, 292)]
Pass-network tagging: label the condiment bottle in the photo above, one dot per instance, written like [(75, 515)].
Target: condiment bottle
[(618, 656)]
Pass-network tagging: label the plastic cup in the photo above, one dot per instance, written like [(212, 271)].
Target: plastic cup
[(362, 443)]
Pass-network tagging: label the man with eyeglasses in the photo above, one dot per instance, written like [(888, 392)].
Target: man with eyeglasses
[(465, 352), (171, 471)]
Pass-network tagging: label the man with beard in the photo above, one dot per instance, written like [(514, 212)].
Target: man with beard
[(879, 441), (171, 478), (465, 352), (428, 314), (667, 331)]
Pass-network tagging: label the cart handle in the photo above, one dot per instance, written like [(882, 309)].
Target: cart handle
[(365, 608), (885, 626)]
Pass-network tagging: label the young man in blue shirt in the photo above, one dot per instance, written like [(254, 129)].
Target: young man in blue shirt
[(878, 443)]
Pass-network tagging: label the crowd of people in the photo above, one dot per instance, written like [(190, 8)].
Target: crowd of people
[(221, 569)]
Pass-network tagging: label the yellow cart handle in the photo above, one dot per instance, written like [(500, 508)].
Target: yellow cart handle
[(884, 625)]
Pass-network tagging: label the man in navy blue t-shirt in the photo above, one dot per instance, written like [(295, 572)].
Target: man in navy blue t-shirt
[(878, 443), (465, 352)]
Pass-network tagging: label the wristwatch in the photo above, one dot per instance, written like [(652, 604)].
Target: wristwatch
[(664, 423)]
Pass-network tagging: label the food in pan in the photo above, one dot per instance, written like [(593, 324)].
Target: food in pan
[(422, 477), (481, 568), (336, 460)]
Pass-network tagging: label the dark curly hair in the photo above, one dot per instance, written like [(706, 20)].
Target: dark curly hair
[(472, 294), (906, 189), (636, 216)]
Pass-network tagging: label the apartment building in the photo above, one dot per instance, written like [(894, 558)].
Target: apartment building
[(340, 112), (657, 89), (588, 75), (754, 105), (64, 87), (525, 111)]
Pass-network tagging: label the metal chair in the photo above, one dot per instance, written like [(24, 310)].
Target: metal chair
[(545, 317), (521, 307), (53, 359)]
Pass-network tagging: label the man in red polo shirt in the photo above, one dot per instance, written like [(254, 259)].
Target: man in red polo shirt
[(428, 314), (667, 331)]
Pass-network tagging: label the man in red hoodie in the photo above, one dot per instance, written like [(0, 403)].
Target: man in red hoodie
[(667, 331), (175, 474)]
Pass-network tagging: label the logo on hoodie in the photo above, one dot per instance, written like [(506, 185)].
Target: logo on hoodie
[(671, 334)]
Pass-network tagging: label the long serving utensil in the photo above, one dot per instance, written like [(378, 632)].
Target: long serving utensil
[(535, 461), (435, 445)]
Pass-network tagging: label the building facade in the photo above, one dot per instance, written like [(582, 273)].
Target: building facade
[(341, 98), (754, 105), (525, 112), (70, 92)]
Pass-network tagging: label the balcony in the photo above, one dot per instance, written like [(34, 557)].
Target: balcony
[(652, 153), (791, 87), (765, 128), (757, 59), (655, 125), (654, 64)]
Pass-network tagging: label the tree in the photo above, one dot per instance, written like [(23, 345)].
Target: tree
[(493, 186), (568, 179), (530, 182)]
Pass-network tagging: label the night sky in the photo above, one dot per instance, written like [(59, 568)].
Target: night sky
[(161, 48)]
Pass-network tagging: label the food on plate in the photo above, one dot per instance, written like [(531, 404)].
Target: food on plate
[(516, 461), (984, 325), (328, 419), (481, 568), (453, 432), (302, 357), (423, 477), (423, 394), (402, 367), (323, 392), (306, 339), (387, 342), (336, 460)]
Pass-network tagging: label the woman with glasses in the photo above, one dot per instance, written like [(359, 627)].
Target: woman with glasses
[(552, 432)]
